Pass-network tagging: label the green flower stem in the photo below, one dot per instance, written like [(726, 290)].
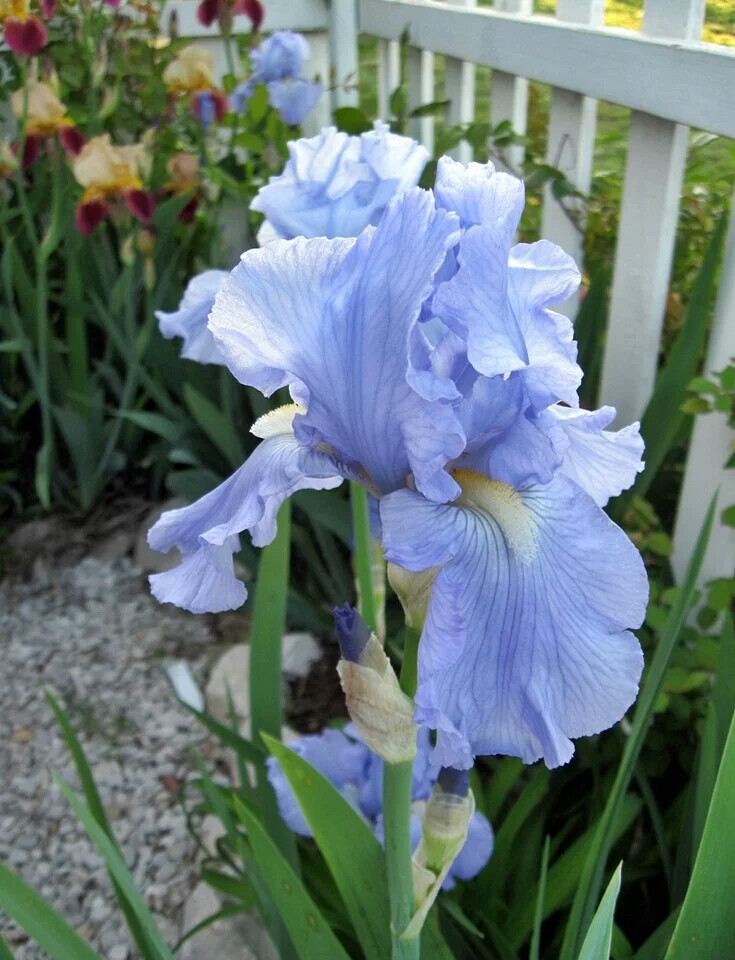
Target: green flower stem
[(397, 783), (363, 559)]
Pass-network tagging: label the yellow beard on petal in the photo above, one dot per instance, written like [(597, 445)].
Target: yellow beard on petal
[(501, 503), (276, 422)]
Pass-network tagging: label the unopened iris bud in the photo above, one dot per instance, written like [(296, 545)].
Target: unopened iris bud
[(449, 810), (380, 710), (352, 632)]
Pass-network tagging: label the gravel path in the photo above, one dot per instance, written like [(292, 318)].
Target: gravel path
[(92, 633)]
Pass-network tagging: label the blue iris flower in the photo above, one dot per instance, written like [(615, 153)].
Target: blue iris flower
[(335, 185), (190, 320), (342, 757), (425, 360), (280, 56), (278, 63)]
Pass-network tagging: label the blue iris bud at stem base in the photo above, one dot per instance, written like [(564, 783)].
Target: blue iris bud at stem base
[(352, 632)]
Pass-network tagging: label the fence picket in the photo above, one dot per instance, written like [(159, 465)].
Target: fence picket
[(389, 74), (420, 67), (712, 441), (509, 94), (343, 52), (459, 86), (648, 217), (571, 147)]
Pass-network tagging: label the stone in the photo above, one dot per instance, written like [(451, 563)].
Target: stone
[(151, 561), (300, 651), (118, 544), (231, 670), (243, 936)]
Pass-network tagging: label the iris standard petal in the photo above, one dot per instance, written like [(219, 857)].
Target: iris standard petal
[(526, 641), (481, 195), (280, 55), (332, 319), (602, 462), (190, 320), (540, 274), (334, 185), (206, 532)]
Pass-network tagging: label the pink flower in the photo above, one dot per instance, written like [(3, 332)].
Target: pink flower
[(48, 8)]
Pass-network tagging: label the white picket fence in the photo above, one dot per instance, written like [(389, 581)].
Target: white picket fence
[(664, 73)]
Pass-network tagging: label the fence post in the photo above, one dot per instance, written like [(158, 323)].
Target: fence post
[(509, 94), (389, 74), (648, 218), (459, 86), (571, 147), (318, 64), (712, 443), (343, 52), (420, 67)]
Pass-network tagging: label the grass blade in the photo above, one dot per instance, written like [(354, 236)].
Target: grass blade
[(307, 928), (538, 917), (39, 920), (704, 929), (97, 810), (357, 865), (596, 944), (5, 953), (590, 881), (158, 950)]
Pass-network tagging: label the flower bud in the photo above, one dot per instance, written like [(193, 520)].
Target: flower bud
[(414, 592), (449, 810), (382, 713)]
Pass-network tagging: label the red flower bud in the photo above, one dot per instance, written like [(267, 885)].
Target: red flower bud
[(25, 36), (141, 204), (48, 8), (88, 216)]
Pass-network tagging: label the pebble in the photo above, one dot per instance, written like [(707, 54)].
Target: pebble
[(93, 635)]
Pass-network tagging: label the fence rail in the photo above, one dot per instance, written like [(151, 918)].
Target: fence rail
[(664, 74)]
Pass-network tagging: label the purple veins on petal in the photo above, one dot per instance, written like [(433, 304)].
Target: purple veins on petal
[(526, 644)]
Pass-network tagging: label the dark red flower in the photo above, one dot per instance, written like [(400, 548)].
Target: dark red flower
[(48, 8), (140, 203), (31, 150), (71, 140), (252, 9), (209, 106), (25, 36), (208, 11), (88, 216)]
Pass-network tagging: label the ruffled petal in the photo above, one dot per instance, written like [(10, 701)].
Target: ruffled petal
[(332, 319), (540, 274), (190, 320), (334, 185), (481, 196), (602, 462), (207, 532), (526, 641)]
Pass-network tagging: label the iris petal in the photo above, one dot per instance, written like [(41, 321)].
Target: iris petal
[(206, 532), (190, 320), (602, 462), (332, 319), (526, 641)]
